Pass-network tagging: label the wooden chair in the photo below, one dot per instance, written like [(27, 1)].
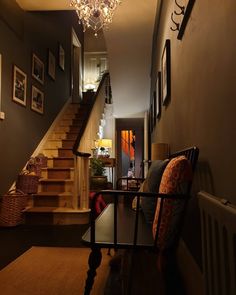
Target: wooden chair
[(120, 227)]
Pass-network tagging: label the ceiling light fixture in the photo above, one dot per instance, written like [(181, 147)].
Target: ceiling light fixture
[(95, 14)]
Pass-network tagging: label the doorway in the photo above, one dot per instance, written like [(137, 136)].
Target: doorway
[(130, 144), (76, 72)]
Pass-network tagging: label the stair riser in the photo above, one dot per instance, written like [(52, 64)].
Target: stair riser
[(53, 144), (59, 187), (74, 129), (69, 116), (62, 129), (65, 153), (65, 122), (58, 174), (52, 201), (57, 162), (71, 136), (39, 218), (50, 153), (68, 144), (58, 136)]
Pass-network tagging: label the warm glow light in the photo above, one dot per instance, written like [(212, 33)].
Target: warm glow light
[(104, 142), (95, 14)]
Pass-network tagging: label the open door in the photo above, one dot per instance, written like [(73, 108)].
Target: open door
[(77, 76), (130, 146)]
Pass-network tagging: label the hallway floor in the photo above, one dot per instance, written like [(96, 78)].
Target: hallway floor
[(17, 240)]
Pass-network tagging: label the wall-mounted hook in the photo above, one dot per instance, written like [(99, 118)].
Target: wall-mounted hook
[(176, 24), (182, 9)]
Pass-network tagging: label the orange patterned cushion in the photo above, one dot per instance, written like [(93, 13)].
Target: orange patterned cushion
[(174, 180)]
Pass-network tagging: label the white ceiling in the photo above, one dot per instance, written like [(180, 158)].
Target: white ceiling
[(129, 43)]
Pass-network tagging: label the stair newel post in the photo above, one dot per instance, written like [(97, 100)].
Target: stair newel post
[(83, 180), (76, 183)]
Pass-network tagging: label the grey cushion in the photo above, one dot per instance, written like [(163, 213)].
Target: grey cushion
[(151, 184)]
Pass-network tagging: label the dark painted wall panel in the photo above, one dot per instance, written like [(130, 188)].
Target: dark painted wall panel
[(23, 129), (202, 107)]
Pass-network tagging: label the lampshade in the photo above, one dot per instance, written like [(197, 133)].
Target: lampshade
[(105, 142), (159, 151)]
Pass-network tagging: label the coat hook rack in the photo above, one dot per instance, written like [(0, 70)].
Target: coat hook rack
[(180, 17), (175, 23), (182, 9)]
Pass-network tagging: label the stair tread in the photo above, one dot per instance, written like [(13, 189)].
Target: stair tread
[(55, 180), (55, 210), (62, 158), (58, 168), (45, 194)]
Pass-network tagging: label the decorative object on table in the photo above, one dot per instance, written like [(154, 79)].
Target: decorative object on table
[(19, 86), (98, 180), (159, 151), (51, 65), (11, 209), (95, 14), (180, 16), (104, 145), (165, 69), (37, 69), (27, 182), (61, 57), (37, 100)]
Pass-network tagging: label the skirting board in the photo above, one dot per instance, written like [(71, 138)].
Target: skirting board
[(190, 271)]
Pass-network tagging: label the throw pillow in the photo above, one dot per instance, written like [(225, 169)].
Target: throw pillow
[(175, 178), (151, 184)]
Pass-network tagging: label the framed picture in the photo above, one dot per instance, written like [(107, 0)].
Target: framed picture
[(37, 100), (37, 69), (61, 57), (154, 109), (158, 95), (165, 69), (19, 86), (51, 65)]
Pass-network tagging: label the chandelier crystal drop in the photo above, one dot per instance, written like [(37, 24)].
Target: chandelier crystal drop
[(95, 14)]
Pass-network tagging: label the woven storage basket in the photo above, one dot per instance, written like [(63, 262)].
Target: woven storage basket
[(11, 208), (34, 165), (43, 160), (27, 183)]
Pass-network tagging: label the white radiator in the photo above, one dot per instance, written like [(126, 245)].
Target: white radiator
[(218, 223)]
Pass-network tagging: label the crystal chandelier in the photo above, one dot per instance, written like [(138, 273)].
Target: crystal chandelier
[(95, 14)]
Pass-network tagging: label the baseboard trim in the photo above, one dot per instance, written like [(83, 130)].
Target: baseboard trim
[(190, 271)]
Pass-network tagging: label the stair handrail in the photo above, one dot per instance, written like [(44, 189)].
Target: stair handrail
[(81, 158), (84, 124)]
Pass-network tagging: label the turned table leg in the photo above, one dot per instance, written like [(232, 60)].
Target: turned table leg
[(94, 261)]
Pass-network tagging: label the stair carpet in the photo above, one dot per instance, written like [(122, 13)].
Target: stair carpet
[(53, 202)]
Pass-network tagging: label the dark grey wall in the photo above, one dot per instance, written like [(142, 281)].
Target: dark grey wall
[(202, 107), (21, 34)]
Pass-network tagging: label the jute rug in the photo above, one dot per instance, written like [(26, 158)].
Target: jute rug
[(52, 271)]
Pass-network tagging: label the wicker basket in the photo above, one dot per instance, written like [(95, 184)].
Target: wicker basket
[(11, 208), (27, 182), (34, 165)]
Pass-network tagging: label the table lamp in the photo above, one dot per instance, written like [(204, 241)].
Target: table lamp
[(104, 145)]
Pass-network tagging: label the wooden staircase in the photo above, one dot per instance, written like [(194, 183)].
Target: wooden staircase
[(53, 203)]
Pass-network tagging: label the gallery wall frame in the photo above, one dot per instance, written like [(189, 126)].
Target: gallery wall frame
[(61, 57), (37, 69), (19, 86), (166, 73), (51, 65), (158, 95), (37, 100)]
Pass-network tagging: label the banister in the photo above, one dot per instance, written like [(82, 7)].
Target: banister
[(84, 124)]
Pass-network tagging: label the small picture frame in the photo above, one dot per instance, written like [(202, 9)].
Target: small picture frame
[(61, 57), (37, 69), (37, 100), (154, 109), (158, 95), (19, 86), (51, 65), (165, 70)]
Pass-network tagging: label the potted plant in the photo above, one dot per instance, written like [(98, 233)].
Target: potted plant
[(98, 180)]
